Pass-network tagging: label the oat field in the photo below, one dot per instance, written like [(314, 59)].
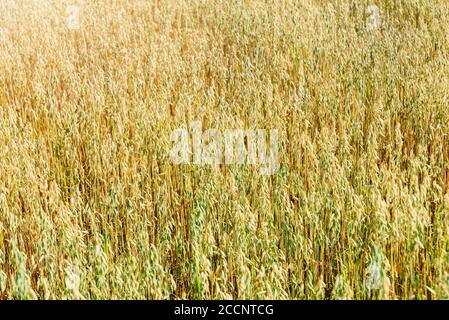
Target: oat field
[(92, 206)]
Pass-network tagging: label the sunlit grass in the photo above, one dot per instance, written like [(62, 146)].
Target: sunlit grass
[(91, 207)]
